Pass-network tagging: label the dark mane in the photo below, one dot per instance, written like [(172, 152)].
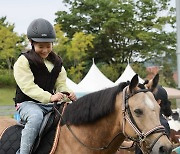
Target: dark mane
[(93, 106)]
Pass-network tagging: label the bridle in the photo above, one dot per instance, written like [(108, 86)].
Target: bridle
[(127, 116)]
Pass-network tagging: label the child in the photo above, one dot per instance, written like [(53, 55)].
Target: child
[(38, 74)]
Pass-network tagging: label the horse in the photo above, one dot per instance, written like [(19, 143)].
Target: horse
[(6, 122), (98, 123)]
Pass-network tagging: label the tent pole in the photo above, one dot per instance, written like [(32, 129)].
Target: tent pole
[(178, 44)]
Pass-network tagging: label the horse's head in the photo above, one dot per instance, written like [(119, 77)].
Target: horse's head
[(141, 121)]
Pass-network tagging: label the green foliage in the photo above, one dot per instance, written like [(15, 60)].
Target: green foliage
[(166, 76), (109, 71), (61, 41), (10, 44), (173, 104), (6, 78), (77, 48), (140, 69), (75, 72), (73, 51), (122, 29), (7, 95)]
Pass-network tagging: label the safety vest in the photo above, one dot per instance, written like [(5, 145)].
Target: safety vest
[(42, 77)]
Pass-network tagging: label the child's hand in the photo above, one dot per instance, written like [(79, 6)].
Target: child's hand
[(57, 97), (72, 96)]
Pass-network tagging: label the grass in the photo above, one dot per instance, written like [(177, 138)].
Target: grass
[(6, 96)]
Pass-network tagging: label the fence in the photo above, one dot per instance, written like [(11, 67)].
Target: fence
[(7, 110)]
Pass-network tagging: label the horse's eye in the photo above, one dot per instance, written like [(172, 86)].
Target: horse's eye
[(138, 111)]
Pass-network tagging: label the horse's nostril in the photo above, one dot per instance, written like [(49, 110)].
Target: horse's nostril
[(164, 150)]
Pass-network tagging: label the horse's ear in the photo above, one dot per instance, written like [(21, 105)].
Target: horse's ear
[(134, 82), (152, 84), (155, 81)]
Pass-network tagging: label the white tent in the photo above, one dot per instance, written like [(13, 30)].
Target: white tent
[(74, 87), (95, 80), (174, 124), (127, 75), (172, 93)]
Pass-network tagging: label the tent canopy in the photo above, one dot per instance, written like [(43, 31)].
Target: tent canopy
[(127, 75), (172, 93), (95, 80), (74, 87)]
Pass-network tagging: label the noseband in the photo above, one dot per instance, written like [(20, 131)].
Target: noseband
[(127, 116)]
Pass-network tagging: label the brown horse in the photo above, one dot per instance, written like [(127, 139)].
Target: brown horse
[(6, 122), (99, 122)]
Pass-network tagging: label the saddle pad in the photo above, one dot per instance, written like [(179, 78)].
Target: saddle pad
[(46, 143), (10, 140)]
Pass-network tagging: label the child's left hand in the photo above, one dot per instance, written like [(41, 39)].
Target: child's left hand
[(72, 96)]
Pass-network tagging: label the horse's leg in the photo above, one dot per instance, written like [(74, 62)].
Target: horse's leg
[(6, 122)]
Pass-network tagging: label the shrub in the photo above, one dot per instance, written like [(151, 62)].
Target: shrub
[(7, 78)]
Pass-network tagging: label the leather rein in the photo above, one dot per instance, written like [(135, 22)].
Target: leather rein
[(127, 116)]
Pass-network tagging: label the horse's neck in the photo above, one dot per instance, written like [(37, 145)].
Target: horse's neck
[(97, 134), (106, 128)]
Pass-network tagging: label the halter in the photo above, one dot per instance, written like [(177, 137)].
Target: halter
[(127, 116)]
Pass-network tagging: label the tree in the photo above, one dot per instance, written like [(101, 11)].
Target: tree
[(109, 71), (73, 51), (123, 29), (10, 44)]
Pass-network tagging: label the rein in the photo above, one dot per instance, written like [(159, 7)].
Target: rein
[(127, 116), (87, 146)]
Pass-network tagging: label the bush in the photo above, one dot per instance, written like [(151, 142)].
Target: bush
[(7, 78)]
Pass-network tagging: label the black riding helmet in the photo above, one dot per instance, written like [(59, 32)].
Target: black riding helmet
[(41, 30), (165, 103)]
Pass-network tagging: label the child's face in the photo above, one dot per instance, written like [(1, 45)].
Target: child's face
[(43, 48)]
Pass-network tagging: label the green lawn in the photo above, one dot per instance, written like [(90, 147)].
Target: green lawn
[(6, 96)]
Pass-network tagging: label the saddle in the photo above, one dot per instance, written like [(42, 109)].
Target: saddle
[(10, 139)]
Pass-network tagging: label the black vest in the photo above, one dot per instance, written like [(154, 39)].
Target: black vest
[(42, 77)]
